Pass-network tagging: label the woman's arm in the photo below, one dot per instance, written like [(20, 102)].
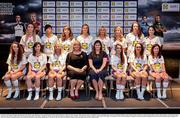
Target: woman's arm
[(91, 65), (103, 64)]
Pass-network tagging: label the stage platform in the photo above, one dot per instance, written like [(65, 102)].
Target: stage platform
[(90, 103)]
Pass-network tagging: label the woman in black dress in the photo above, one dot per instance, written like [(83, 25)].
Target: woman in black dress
[(76, 63), (98, 68)]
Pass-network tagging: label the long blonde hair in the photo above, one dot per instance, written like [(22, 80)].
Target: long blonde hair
[(121, 35), (102, 27)]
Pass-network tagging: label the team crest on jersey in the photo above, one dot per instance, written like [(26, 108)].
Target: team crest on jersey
[(57, 63), (103, 47), (157, 66), (36, 65), (119, 66), (15, 66), (149, 46), (66, 47), (134, 43), (84, 45), (48, 45), (30, 44)]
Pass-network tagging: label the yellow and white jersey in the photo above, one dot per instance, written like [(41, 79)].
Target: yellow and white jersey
[(86, 43), (57, 62), (157, 62), (37, 62), (49, 44), (67, 45), (29, 43)]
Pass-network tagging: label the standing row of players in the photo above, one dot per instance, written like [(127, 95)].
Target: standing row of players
[(74, 56)]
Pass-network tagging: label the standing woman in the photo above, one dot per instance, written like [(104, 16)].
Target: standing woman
[(85, 39), (48, 40), (134, 37), (28, 40), (76, 64), (98, 68), (57, 68), (119, 66), (118, 38), (16, 64), (67, 39), (37, 64), (150, 40), (138, 64), (158, 70), (105, 40)]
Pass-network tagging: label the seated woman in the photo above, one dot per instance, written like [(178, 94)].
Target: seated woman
[(57, 67), (16, 65), (76, 63), (138, 64), (98, 68), (119, 66), (158, 70), (37, 64)]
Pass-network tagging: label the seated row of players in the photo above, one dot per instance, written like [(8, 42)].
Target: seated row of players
[(78, 57)]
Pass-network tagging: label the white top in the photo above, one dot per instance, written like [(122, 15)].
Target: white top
[(157, 62), (123, 43), (37, 62), (149, 43), (19, 29), (57, 62), (132, 40), (138, 62), (67, 45), (116, 61), (86, 43), (49, 44), (28, 45), (16, 66), (106, 43)]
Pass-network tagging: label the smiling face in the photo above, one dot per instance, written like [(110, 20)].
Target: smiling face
[(151, 31), (138, 48), (15, 48), (102, 31), (85, 29), (38, 48), (156, 50), (76, 46), (118, 49), (30, 28), (135, 27), (57, 48), (118, 31), (97, 46), (49, 31), (66, 31), (33, 17)]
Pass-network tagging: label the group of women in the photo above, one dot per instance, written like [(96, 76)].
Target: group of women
[(77, 58)]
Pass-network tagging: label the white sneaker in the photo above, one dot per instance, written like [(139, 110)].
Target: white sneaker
[(16, 94), (117, 94), (141, 96), (121, 95), (9, 94), (51, 95), (29, 96), (58, 96), (36, 97)]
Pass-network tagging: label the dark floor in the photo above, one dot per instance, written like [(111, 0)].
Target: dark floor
[(85, 102)]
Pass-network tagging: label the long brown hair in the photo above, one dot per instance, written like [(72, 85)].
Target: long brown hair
[(19, 55), (82, 29), (142, 50), (139, 28), (34, 46), (152, 52), (33, 35), (94, 50), (63, 36), (149, 29), (121, 36), (121, 54)]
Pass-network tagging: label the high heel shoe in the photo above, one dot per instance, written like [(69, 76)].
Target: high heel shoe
[(72, 97), (77, 96)]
